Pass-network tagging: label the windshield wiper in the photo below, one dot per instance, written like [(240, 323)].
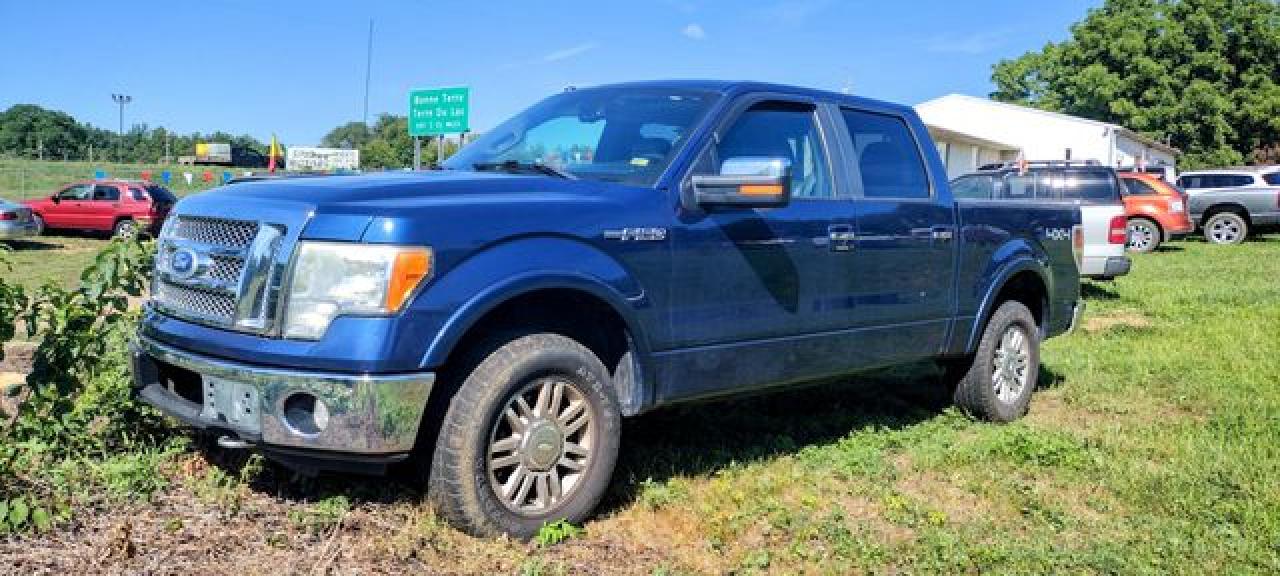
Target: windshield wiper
[(516, 166)]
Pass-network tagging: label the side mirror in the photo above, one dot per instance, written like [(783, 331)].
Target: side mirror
[(746, 182), (55, 199)]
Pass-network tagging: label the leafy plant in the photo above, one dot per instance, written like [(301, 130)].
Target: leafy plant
[(76, 401), (553, 533)]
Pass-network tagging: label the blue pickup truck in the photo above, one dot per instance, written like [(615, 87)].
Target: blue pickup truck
[(606, 252)]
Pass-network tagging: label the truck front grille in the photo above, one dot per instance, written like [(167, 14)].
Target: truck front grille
[(228, 256), (204, 305), (216, 231)]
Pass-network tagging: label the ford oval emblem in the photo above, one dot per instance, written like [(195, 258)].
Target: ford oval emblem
[(183, 263)]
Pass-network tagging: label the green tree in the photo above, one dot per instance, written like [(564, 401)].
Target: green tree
[(1201, 74), (350, 135)]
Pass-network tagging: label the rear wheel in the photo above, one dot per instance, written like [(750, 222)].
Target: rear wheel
[(1144, 235), (997, 385), (1226, 228), (531, 437), (125, 229)]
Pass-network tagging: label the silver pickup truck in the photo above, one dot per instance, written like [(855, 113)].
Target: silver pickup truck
[(1227, 204)]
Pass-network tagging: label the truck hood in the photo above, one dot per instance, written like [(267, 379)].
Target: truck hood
[(343, 207)]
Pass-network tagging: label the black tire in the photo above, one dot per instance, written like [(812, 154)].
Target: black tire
[(462, 487), (1226, 228), (1144, 235), (975, 390), (125, 228)]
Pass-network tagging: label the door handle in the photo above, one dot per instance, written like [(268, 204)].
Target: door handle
[(941, 233), (841, 237)]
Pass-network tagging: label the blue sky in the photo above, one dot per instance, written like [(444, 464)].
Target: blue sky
[(297, 68)]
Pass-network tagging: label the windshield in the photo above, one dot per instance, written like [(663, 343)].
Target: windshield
[(627, 135)]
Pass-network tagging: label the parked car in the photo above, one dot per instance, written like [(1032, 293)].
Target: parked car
[(16, 221), (121, 207), (1157, 211), (1228, 204), (606, 252), (1091, 186)]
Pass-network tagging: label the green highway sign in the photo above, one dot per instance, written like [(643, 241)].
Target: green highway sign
[(439, 111)]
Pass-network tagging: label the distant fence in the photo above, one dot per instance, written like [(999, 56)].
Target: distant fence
[(35, 180)]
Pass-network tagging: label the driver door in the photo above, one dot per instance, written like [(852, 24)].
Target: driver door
[(752, 287), (69, 209)]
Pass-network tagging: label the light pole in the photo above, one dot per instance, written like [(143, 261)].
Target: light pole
[(121, 99)]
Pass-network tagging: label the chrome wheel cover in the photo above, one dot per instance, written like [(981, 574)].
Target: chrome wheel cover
[(1010, 364), (541, 446), (1141, 236), (1224, 230)]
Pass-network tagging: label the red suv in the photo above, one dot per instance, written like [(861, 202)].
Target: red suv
[(121, 207)]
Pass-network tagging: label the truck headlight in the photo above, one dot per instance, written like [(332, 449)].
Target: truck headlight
[(331, 279)]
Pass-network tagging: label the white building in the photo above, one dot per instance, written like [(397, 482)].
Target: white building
[(973, 131)]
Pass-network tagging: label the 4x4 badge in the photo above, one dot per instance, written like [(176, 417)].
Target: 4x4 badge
[(638, 234)]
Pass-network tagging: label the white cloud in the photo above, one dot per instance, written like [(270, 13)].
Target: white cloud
[(571, 52), (969, 44), (694, 31)]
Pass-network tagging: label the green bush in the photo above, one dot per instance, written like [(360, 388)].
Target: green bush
[(76, 403)]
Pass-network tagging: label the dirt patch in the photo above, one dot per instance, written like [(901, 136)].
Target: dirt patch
[(183, 530), (1127, 318), (17, 357)]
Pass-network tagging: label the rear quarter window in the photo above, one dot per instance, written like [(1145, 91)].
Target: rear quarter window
[(1272, 178), (1091, 186)]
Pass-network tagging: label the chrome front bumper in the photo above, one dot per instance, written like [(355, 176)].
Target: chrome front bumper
[(367, 414)]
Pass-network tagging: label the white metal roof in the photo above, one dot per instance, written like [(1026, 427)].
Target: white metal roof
[(1058, 115)]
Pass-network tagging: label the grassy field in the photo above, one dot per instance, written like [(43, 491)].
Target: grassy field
[(22, 179), (1153, 448)]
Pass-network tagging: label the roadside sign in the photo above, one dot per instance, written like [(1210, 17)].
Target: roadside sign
[(439, 111)]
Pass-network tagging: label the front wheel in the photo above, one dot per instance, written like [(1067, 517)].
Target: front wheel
[(1144, 235), (531, 437), (1226, 228), (997, 385)]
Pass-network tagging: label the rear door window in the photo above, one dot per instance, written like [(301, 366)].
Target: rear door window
[(1272, 178), (106, 193), (889, 163), (973, 186)]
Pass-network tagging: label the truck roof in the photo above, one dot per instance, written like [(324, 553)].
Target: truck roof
[(733, 87)]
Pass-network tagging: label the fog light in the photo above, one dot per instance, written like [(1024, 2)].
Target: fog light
[(305, 413)]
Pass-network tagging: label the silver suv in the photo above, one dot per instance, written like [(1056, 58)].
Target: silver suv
[(1229, 203)]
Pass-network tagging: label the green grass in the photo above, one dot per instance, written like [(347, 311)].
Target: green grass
[(1154, 448), (22, 179), (57, 257)]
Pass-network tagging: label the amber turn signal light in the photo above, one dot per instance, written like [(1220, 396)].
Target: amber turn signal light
[(408, 270)]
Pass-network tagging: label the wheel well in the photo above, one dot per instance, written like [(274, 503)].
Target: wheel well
[(1152, 220), (1025, 287), (575, 314), (1219, 208)]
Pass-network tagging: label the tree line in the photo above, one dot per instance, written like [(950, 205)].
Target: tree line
[(1202, 75), (30, 131)]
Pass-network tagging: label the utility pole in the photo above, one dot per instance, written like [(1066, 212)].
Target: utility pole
[(368, 71), (40, 147), (121, 99)]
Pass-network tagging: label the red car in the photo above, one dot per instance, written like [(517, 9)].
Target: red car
[(121, 207), (1157, 212)]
